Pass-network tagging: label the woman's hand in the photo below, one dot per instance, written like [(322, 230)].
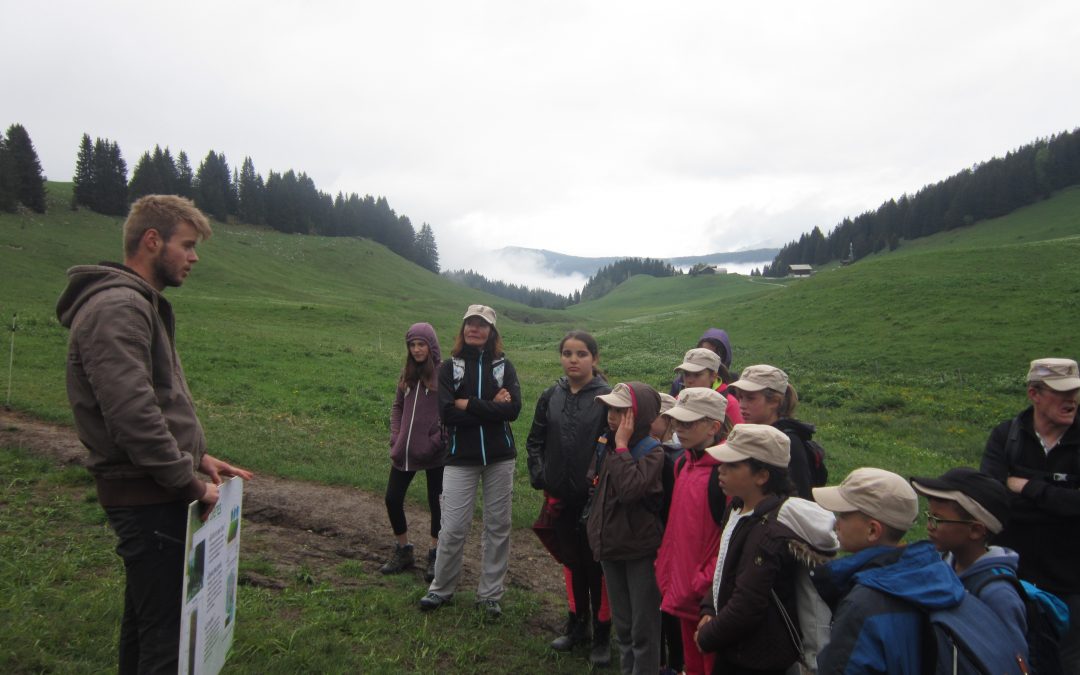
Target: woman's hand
[(502, 396), (461, 403)]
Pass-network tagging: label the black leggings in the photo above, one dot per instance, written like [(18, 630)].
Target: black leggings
[(586, 573), (396, 488)]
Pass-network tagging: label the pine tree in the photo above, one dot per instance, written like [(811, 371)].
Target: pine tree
[(250, 197), (144, 178), (213, 187), (8, 200), (83, 179), (427, 253), (166, 170), (28, 181), (114, 181), (185, 177)]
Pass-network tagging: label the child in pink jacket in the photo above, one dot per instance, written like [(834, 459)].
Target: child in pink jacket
[(686, 560)]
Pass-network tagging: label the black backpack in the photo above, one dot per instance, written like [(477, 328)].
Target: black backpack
[(815, 459), (815, 453), (1047, 620)]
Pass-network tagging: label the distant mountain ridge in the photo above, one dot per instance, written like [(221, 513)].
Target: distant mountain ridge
[(563, 264)]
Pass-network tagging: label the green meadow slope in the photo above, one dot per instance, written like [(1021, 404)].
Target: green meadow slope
[(293, 343)]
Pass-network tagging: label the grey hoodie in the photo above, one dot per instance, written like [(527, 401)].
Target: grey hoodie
[(132, 407)]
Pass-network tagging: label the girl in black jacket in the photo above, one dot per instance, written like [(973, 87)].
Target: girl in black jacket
[(561, 446)]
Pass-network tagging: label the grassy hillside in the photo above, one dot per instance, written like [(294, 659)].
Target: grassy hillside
[(904, 359), (293, 343)]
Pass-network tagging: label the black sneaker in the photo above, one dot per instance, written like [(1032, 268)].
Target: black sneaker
[(432, 601), (401, 560), (491, 608), (429, 575)]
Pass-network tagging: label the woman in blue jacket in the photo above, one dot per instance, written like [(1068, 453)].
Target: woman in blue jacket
[(478, 399)]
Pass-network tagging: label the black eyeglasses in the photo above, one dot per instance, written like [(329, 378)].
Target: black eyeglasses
[(933, 521)]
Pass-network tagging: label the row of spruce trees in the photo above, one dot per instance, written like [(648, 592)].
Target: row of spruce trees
[(287, 202), (987, 190)]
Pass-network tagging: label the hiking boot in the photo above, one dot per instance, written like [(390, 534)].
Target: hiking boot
[(491, 608), (600, 656), (429, 575), (433, 601), (576, 632), (401, 560)]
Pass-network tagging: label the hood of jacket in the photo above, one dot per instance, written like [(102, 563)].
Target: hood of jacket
[(596, 382), (914, 573), (646, 408), (719, 335), (811, 523), (995, 556), (85, 281), (426, 332)]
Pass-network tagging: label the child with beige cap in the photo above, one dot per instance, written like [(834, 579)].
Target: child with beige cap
[(624, 525), (749, 616), (700, 368), (687, 556), (880, 594), (766, 397)]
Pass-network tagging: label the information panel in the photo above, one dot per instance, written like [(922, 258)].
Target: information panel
[(211, 555)]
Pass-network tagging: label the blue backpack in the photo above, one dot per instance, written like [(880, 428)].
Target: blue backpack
[(971, 639), (1047, 620)]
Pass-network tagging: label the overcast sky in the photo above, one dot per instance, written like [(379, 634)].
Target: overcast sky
[(589, 128)]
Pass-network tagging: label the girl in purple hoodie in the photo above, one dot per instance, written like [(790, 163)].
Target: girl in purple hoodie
[(417, 443)]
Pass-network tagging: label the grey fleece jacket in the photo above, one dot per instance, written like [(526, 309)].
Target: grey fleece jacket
[(132, 407)]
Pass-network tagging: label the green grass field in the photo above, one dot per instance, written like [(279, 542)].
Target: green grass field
[(292, 345)]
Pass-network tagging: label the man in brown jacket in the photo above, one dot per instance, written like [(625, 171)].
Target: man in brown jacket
[(134, 413)]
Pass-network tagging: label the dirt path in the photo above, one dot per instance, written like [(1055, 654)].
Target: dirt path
[(306, 528)]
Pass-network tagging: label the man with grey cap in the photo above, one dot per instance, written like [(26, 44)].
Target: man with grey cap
[(880, 593), (1037, 456)]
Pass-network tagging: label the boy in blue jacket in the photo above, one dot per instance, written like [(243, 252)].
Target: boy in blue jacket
[(967, 507), (880, 593)]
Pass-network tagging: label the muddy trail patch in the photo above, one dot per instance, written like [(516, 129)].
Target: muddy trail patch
[(308, 530)]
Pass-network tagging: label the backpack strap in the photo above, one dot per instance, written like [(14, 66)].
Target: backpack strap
[(718, 501), (792, 629), (680, 463), (998, 574), (458, 365), (1012, 443)]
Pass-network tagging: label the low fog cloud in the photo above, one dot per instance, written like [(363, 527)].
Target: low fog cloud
[(513, 267)]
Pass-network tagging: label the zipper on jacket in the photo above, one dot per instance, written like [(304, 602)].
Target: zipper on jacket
[(408, 437), (480, 395)]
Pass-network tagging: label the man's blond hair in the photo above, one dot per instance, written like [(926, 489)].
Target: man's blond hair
[(162, 213)]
